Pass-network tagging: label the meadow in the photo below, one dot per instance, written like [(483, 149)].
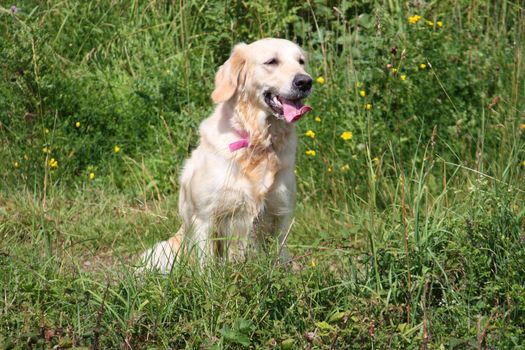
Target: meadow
[(409, 229)]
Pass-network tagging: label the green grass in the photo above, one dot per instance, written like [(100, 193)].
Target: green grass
[(411, 234)]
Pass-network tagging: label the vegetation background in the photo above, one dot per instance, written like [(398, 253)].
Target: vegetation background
[(410, 220)]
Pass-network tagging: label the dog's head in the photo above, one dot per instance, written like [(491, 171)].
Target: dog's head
[(268, 73)]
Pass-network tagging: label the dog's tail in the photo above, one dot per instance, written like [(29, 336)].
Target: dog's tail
[(163, 255)]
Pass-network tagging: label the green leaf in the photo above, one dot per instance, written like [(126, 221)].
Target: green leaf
[(287, 344), (323, 325)]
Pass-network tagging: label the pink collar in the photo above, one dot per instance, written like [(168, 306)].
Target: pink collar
[(242, 143)]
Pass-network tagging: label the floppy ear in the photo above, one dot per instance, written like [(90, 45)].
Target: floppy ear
[(230, 75)]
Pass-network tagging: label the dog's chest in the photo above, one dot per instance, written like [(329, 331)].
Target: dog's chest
[(260, 166), (260, 171)]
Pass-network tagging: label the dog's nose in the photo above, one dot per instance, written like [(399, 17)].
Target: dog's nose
[(302, 82)]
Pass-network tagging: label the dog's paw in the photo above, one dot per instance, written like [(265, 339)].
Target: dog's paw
[(159, 258)]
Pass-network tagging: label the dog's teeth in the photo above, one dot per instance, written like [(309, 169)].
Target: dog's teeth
[(276, 101)]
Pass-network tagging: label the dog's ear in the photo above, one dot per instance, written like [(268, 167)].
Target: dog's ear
[(230, 75)]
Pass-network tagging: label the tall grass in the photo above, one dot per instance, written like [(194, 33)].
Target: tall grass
[(410, 234)]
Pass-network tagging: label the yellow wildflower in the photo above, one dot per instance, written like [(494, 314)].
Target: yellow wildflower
[(77, 125), (414, 19), (26, 157), (358, 84), (362, 93), (375, 160), (310, 133), (46, 150), (320, 80), (394, 70), (329, 169), (46, 131), (422, 66), (310, 152), (439, 24), (91, 175), (523, 163), (53, 163), (430, 23), (313, 263), (522, 126), (318, 119), (116, 149), (345, 167), (347, 135), (403, 77), (368, 106), (354, 156), (16, 164)]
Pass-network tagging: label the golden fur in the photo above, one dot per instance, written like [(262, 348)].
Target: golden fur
[(234, 201)]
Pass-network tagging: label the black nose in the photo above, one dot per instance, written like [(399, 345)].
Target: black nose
[(302, 82)]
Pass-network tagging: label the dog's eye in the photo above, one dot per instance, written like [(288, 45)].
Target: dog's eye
[(271, 62), (301, 61)]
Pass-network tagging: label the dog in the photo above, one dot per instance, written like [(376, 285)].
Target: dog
[(237, 189)]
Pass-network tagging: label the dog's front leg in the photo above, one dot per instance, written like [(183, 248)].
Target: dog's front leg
[(274, 225), (283, 229), (279, 206), (237, 231)]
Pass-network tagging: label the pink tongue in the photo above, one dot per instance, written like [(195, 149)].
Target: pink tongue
[(293, 110)]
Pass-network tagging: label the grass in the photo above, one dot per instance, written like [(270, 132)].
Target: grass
[(408, 234), (79, 286)]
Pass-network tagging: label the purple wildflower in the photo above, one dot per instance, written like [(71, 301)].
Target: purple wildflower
[(14, 9)]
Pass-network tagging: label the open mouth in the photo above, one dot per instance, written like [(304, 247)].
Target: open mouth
[(290, 110)]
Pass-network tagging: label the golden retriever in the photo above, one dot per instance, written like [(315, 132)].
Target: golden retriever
[(238, 186)]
